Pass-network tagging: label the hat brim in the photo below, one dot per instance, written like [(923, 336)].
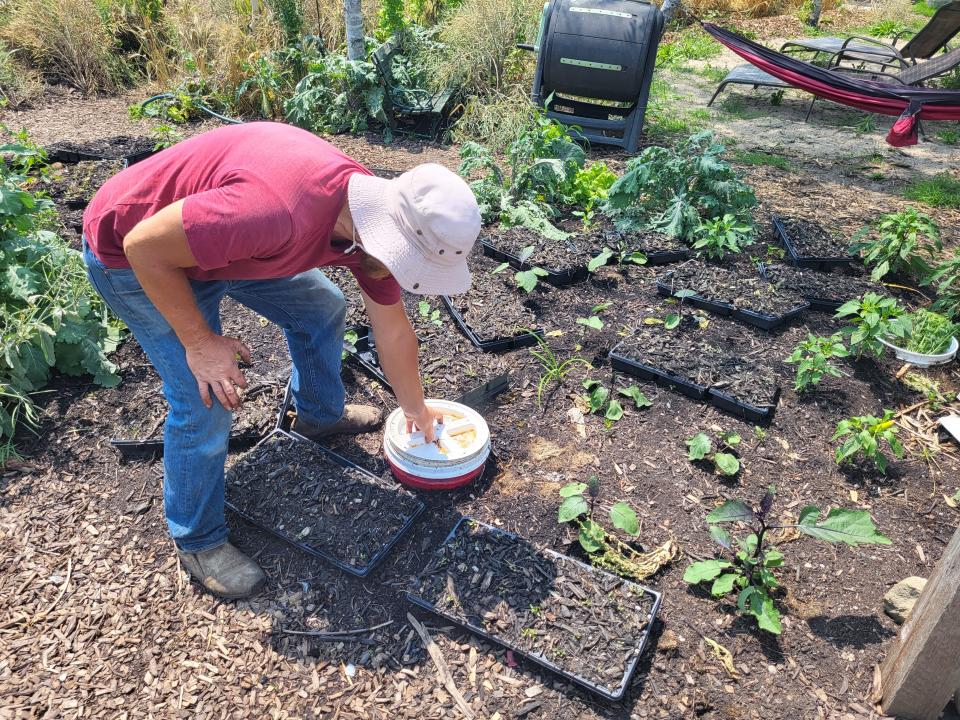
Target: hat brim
[(371, 199)]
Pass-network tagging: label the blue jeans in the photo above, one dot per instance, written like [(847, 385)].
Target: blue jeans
[(311, 311)]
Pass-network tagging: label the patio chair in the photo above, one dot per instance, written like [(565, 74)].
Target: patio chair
[(930, 39)]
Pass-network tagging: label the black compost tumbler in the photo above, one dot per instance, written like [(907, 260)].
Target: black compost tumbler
[(595, 61)]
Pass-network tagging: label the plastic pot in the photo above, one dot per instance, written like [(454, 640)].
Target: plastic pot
[(921, 359)]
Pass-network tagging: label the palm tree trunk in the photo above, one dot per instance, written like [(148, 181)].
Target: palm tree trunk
[(813, 20), (354, 18)]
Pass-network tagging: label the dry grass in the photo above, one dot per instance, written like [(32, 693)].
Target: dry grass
[(751, 8), (19, 85), (66, 40), (325, 18)]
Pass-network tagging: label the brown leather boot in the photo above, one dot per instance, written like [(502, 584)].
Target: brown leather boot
[(224, 571), (356, 419)]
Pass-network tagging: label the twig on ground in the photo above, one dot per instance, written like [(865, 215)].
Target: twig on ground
[(337, 634), (442, 670)]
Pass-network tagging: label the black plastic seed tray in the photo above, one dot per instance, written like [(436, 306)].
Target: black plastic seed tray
[(765, 321), (615, 693), (661, 377), (131, 450), (361, 570), (750, 413), (365, 352), (56, 154), (558, 278), (717, 307), (821, 304), (499, 344), (664, 257), (807, 261)]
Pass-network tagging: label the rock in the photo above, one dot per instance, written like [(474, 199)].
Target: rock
[(900, 599)]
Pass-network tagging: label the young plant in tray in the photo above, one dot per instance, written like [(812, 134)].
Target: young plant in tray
[(701, 447), (862, 437), (722, 236), (598, 399), (672, 189), (526, 279), (873, 317), (751, 568), (622, 255), (904, 242), (812, 358), (429, 314), (554, 370), (593, 321)]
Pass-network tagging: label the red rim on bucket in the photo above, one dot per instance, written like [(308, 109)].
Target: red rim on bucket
[(456, 458)]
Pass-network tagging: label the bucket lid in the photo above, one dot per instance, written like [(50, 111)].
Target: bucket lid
[(462, 438)]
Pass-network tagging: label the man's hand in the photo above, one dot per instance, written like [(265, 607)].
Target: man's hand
[(424, 420), (213, 362)]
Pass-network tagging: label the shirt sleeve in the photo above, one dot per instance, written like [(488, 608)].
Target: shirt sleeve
[(385, 291), (240, 220)]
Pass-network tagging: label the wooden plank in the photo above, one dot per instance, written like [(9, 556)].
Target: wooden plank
[(922, 671)]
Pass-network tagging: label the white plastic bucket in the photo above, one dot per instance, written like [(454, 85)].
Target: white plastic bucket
[(458, 456), (922, 360)]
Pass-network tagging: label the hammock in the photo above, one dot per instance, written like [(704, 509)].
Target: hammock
[(909, 102)]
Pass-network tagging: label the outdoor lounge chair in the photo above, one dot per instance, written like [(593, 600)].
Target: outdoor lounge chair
[(930, 39), (912, 103)]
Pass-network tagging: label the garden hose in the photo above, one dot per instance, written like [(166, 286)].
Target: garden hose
[(204, 108)]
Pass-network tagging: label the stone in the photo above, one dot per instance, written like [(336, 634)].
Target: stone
[(900, 599)]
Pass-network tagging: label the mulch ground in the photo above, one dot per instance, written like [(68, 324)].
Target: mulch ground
[(98, 620)]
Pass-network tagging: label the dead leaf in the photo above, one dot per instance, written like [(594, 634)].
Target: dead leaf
[(854, 496), (575, 415), (724, 656)]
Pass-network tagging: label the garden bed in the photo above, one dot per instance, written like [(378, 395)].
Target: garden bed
[(320, 502), (75, 184), (825, 291), (810, 245), (749, 298), (583, 623), (492, 313)]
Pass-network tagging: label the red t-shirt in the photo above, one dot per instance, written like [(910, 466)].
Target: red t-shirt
[(260, 202)]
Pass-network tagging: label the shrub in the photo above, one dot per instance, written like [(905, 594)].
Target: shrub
[(336, 95), (902, 242), (50, 317)]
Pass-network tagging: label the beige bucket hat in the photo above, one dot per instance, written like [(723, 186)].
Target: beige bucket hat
[(421, 225)]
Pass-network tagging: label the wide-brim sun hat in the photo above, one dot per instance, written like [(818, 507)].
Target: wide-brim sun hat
[(420, 225)]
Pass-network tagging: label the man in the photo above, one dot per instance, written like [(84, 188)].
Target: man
[(252, 211)]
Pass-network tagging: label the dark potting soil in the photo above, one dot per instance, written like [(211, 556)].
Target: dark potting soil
[(745, 289), (576, 251), (810, 239), (293, 487), (344, 279), (587, 623), (118, 146), (76, 183), (652, 242), (831, 286), (493, 307)]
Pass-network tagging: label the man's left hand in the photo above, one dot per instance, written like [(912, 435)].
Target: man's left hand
[(424, 420)]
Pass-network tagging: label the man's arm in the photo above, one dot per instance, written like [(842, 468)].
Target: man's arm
[(158, 252), (397, 350)]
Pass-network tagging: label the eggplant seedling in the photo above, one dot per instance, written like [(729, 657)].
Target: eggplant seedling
[(750, 571), (700, 447)]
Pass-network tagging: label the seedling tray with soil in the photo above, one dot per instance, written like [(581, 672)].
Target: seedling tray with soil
[(129, 147), (751, 299), (74, 184), (809, 245), (492, 313), (364, 352), (585, 624), (660, 249), (320, 502), (702, 367), (825, 291)]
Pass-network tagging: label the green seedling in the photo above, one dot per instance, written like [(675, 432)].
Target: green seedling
[(701, 447), (350, 338), (862, 436), (722, 236), (593, 322), (873, 317), (751, 568), (812, 358), (554, 370), (429, 314)]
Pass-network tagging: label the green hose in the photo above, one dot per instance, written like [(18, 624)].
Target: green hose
[(204, 108)]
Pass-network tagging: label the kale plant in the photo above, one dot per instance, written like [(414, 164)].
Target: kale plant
[(337, 95), (812, 358), (751, 568), (672, 190), (902, 242), (862, 436)]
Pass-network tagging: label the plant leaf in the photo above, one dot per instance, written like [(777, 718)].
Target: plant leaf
[(624, 518), (731, 511), (571, 489), (614, 410), (721, 536), (853, 527), (573, 507), (699, 446), (723, 584), (727, 463), (590, 536), (671, 321), (703, 570)]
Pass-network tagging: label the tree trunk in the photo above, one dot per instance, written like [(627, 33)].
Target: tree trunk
[(354, 18), (813, 20), (669, 9)]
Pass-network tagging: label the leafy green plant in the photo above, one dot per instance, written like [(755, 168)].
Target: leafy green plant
[(812, 358), (622, 254), (603, 547), (721, 236), (350, 338), (751, 568), (872, 317), (940, 191), (930, 332), (599, 400), (336, 95), (165, 136), (429, 314), (701, 447), (862, 436), (527, 278), (553, 369), (593, 321), (390, 19), (902, 242), (50, 317), (946, 278), (672, 189)]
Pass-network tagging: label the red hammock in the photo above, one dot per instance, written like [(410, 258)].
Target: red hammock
[(909, 102)]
